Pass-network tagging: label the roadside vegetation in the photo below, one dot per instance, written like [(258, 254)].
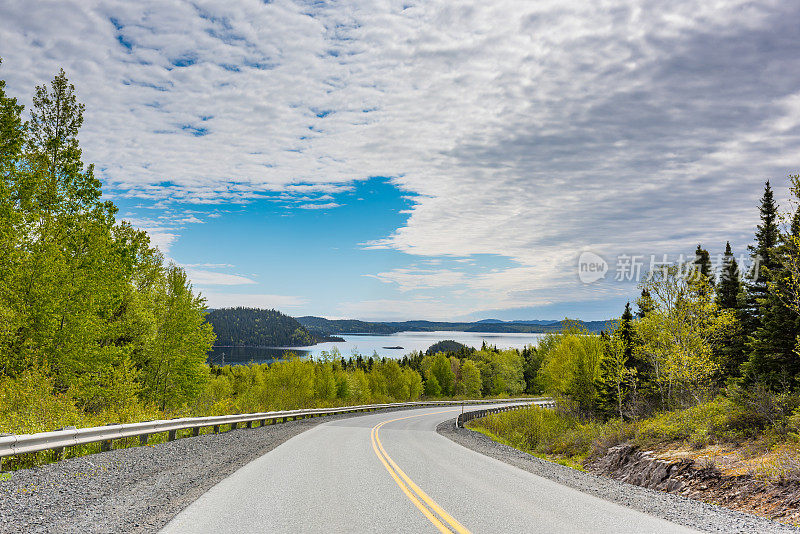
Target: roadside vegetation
[(706, 360)]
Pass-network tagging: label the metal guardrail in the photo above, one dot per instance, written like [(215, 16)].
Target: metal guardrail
[(11, 445), (477, 414)]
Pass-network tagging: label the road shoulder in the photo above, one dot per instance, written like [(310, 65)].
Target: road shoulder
[(134, 490), (675, 508)]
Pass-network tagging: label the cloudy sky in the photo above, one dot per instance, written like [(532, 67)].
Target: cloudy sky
[(424, 159)]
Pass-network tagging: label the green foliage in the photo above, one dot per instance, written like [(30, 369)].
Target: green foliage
[(443, 372), (470, 384), (448, 346), (613, 377), (432, 388), (766, 239), (252, 327), (773, 359), (551, 433), (678, 335), (571, 365)]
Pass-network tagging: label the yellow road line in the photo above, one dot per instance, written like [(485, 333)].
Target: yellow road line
[(395, 470), (432, 518)]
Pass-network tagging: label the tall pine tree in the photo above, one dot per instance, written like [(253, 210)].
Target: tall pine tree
[(702, 263), (767, 236), (730, 354), (729, 281), (772, 360), (644, 304)]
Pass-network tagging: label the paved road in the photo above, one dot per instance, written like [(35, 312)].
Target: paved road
[(391, 472)]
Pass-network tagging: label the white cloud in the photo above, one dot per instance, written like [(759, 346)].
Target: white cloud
[(413, 279), (325, 206)]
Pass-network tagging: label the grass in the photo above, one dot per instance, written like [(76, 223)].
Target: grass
[(746, 444), (549, 434)]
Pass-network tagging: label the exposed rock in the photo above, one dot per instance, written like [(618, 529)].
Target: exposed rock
[(775, 500)]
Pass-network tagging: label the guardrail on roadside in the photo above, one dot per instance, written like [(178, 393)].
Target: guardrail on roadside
[(477, 414), (11, 445)]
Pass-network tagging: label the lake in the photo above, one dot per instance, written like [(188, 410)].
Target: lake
[(367, 344)]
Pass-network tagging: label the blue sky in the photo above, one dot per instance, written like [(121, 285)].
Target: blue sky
[(439, 160)]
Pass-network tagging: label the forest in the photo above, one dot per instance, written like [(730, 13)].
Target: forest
[(252, 327)]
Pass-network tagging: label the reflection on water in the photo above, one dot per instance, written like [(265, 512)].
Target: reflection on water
[(392, 346)]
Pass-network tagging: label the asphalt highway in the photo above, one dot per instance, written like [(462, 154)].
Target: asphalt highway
[(391, 472)]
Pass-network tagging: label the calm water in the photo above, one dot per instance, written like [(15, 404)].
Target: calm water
[(368, 344)]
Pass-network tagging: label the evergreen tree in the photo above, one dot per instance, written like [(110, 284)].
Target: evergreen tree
[(730, 353), (611, 380), (644, 304), (729, 282), (773, 360), (767, 237), (625, 331), (532, 363), (702, 264)]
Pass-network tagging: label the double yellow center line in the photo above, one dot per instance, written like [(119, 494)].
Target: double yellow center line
[(412, 491)]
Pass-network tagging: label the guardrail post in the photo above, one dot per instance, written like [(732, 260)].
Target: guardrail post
[(234, 426), (106, 445), (196, 431), (171, 435), (249, 424), (143, 439), (216, 429)]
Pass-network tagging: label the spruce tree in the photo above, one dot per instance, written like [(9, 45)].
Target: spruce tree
[(772, 360), (702, 264), (610, 382), (730, 353), (729, 282), (767, 236), (644, 304)]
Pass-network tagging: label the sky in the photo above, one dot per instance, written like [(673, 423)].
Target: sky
[(392, 160)]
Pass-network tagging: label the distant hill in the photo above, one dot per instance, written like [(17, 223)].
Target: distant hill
[(326, 327), (252, 327)]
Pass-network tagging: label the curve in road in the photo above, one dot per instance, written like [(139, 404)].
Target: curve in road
[(367, 474)]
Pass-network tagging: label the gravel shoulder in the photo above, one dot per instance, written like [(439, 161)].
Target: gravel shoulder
[(133, 490), (675, 508)]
